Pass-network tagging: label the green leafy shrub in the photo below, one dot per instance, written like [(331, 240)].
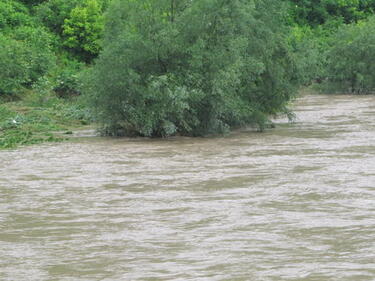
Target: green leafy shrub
[(317, 12), (351, 67), (39, 54), (83, 29), (78, 23), (191, 67), (67, 78), (41, 95), (12, 14), (53, 13), (310, 47), (13, 65), (25, 56)]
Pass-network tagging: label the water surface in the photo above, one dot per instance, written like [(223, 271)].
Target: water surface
[(293, 203)]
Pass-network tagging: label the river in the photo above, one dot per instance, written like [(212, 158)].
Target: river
[(293, 203)]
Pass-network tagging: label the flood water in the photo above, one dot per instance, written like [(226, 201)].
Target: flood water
[(294, 203)]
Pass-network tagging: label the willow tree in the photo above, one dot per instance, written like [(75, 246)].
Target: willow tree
[(191, 67)]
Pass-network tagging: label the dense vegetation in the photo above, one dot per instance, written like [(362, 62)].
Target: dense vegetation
[(37, 117), (351, 59), (159, 68), (191, 68)]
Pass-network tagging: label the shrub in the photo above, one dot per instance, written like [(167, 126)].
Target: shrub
[(191, 67), (13, 14), (83, 29), (53, 13), (25, 56), (310, 47), (316, 12), (67, 81), (39, 50), (351, 67), (13, 65)]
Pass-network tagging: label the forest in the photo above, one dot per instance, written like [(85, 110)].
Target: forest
[(174, 67)]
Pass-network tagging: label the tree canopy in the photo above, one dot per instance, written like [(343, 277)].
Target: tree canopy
[(191, 67)]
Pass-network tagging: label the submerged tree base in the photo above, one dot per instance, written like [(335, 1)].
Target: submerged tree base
[(121, 132)]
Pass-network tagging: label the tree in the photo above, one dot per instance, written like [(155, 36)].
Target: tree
[(13, 14), (83, 29), (25, 56), (351, 67), (39, 53), (191, 67), (317, 12), (13, 65), (54, 12)]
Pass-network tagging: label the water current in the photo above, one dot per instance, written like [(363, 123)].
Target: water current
[(293, 203)]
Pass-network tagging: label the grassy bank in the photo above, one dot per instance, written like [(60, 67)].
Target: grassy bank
[(37, 118)]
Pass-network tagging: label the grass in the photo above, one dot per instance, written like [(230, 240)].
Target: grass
[(37, 118)]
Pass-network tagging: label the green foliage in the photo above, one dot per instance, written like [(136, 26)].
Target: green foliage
[(39, 55), (310, 47), (26, 49), (25, 56), (53, 13), (83, 29), (317, 12), (67, 78), (37, 117), (24, 128), (32, 2), (13, 65), (13, 14), (351, 67), (314, 34), (174, 67), (191, 67), (79, 24)]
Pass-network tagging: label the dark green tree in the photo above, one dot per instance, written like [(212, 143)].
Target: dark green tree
[(25, 56), (351, 67), (13, 65), (54, 12), (317, 12), (191, 67), (12, 14)]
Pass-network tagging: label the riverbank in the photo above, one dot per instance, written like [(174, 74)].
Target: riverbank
[(36, 118)]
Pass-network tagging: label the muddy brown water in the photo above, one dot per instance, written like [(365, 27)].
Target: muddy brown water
[(293, 203)]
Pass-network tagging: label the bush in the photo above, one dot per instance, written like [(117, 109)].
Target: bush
[(67, 81), (13, 65), (83, 29), (78, 23), (310, 47), (25, 56), (13, 14), (351, 67), (191, 68), (39, 54), (309, 54), (53, 13), (316, 12)]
